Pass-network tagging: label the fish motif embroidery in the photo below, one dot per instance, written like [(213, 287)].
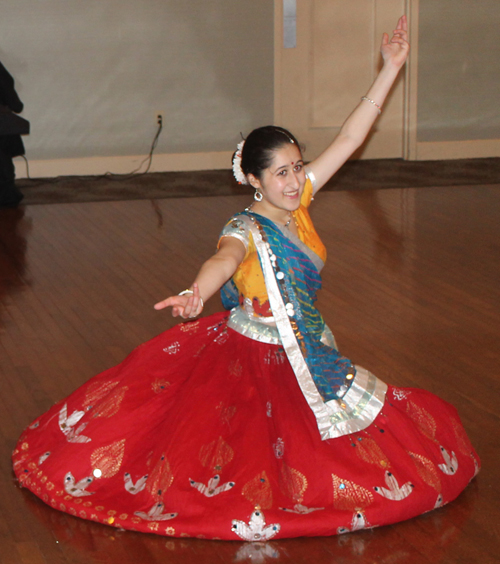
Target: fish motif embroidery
[(156, 513), (212, 488), (450, 465), (77, 489), (132, 488), (256, 529), (358, 522), (67, 425), (394, 491)]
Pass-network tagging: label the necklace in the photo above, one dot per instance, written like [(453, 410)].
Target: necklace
[(287, 224)]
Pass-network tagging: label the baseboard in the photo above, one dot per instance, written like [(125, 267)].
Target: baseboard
[(443, 150), (95, 166), (220, 160)]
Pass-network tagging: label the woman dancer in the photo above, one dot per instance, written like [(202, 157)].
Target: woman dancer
[(249, 424)]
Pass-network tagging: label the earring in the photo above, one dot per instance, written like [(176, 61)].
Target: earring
[(258, 196)]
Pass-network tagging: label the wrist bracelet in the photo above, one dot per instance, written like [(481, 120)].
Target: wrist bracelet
[(184, 292), (365, 99)]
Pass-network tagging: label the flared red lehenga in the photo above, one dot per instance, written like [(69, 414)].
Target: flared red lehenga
[(205, 432)]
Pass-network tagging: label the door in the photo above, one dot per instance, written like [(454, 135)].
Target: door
[(319, 81)]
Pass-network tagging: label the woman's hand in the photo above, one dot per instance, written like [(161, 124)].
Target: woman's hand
[(357, 126), (188, 305), (215, 272), (395, 51)]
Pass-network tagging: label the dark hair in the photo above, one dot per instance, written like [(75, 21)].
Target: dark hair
[(259, 147)]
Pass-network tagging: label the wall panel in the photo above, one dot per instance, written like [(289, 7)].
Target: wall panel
[(93, 74)]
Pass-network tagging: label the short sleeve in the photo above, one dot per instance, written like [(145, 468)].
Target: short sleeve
[(307, 194), (239, 230), (311, 177)]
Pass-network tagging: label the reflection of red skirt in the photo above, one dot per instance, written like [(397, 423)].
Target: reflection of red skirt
[(202, 432)]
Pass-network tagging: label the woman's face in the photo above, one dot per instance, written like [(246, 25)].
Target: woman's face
[(283, 182)]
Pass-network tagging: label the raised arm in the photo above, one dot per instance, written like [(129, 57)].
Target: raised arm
[(213, 274), (358, 124)]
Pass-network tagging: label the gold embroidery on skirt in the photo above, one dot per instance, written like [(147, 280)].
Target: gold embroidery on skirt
[(111, 404), (463, 442), (216, 454), (293, 483), (258, 491), (97, 391), (161, 478), (423, 419), (369, 451), (226, 413), (348, 496), (108, 459), (190, 326), (427, 471)]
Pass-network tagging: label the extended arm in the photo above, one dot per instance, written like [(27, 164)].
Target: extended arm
[(359, 123), (213, 274)]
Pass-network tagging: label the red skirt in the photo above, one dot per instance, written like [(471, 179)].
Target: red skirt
[(202, 432)]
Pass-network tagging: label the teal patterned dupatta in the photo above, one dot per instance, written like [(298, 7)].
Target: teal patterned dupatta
[(329, 381)]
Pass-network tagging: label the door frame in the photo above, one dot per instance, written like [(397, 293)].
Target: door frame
[(412, 149)]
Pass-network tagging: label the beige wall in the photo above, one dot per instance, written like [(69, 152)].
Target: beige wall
[(458, 70), (93, 74)]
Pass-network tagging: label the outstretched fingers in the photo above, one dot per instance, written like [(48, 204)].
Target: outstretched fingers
[(175, 302), (402, 23), (188, 304), (395, 49), (401, 31)]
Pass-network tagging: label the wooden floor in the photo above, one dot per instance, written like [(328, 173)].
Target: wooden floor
[(412, 291)]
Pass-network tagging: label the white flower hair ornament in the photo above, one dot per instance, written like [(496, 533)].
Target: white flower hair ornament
[(237, 170)]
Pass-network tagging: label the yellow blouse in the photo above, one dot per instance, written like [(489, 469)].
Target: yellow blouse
[(249, 278)]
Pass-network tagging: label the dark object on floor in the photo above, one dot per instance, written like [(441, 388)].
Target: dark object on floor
[(11, 197), (11, 144)]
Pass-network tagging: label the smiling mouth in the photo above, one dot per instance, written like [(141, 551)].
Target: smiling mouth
[(291, 194)]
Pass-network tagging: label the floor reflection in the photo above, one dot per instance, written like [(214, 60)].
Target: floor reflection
[(14, 230), (427, 538), (389, 242)]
